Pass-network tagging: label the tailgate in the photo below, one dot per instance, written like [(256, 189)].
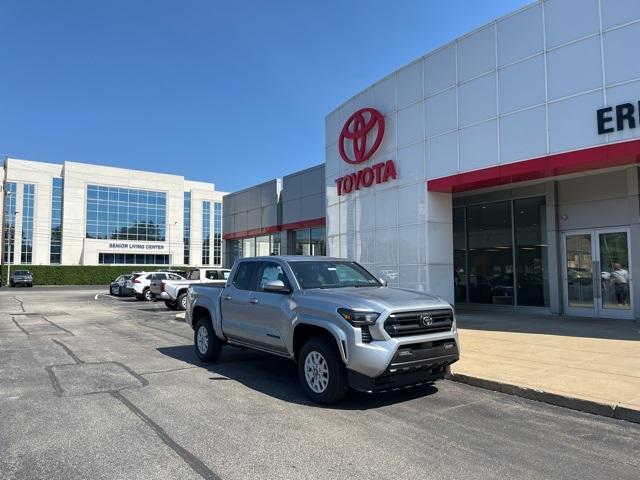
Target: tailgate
[(155, 287)]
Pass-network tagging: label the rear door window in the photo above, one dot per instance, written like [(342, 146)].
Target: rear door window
[(194, 275), (212, 274), (245, 275)]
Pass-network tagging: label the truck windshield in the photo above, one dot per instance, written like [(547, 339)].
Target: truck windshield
[(332, 274)]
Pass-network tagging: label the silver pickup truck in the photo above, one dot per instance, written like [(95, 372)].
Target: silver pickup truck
[(343, 326), (174, 292)]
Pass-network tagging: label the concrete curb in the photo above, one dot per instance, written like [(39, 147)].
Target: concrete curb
[(620, 412)]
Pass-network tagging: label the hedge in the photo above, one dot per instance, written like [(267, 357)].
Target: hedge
[(78, 274)]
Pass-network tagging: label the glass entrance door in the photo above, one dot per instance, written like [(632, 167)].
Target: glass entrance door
[(597, 274)]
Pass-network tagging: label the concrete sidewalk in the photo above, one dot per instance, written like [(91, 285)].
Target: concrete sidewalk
[(585, 364)]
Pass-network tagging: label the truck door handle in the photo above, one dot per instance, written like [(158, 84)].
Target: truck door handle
[(253, 300), (226, 297)]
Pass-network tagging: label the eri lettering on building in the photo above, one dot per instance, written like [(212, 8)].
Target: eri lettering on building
[(618, 118), (360, 128)]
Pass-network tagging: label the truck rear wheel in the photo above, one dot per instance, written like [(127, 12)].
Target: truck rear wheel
[(208, 346), (321, 372)]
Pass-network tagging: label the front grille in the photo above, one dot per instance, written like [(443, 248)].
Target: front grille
[(403, 324), (366, 334)]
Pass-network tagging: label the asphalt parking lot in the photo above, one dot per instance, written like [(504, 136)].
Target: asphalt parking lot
[(99, 387)]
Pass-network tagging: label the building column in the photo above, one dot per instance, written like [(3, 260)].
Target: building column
[(554, 250), (439, 245)]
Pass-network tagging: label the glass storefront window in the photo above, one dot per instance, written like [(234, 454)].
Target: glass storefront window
[(487, 268), (301, 242), (317, 241), (275, 244), (531, 251), (490, 253), (249, 247), (234, 247), (262, 246)]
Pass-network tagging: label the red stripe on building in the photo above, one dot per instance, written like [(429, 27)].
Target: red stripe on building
[(596, 158), (256, 232)]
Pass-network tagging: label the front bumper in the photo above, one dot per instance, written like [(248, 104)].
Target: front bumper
[(411, 364), (22, 282)]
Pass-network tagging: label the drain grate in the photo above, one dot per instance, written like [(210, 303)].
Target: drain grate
[(39, 314)]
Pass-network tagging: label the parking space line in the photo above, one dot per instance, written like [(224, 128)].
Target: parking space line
[(194, 462)]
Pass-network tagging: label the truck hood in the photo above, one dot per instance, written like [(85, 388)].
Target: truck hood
[(376, 298)]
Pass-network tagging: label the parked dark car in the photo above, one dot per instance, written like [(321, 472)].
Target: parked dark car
[(118, 286), (21, 278)]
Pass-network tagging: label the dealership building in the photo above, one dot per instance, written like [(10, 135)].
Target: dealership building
[(499, 171), (81, 214)]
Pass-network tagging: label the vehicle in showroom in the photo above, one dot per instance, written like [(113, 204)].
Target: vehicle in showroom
[(118, 288), (21, 278), (174, 292), (139, 285), (343, 326)]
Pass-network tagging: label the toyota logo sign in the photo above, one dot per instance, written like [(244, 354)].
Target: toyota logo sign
[(426, 320), (356, 132)]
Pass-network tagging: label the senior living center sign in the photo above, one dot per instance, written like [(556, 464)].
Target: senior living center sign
[(360, 137), (135, 246)]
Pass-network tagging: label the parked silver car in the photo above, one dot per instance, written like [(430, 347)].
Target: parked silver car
[(21, 278), (342, 325)]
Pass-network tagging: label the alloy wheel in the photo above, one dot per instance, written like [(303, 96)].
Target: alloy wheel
[(316, 372)]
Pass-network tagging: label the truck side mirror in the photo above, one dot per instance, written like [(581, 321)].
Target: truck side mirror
[(382, 281), (276, 286)]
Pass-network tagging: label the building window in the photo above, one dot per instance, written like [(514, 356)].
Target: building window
[(206, 232), (115, 213), (217, 233), (132, 259), (28, 198), (186, 229), (530, 221), (251, 247), (488, 266), (234, 251), (9, 246), (308, 241), (55, 249)]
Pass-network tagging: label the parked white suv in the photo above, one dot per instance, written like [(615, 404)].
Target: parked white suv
[(139, 285)]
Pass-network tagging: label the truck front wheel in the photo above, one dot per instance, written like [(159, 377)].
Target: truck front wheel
[(321, 372), (208, 346)]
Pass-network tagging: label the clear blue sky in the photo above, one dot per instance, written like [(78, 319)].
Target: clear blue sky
[(231, 92)]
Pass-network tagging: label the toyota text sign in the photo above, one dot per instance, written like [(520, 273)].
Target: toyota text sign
[(359, 139)]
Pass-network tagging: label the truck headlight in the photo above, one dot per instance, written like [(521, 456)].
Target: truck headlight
[(358, 318)]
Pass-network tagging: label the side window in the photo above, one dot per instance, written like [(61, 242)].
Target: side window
[(270, 272), (159, 276), (175, 277), (212, 274), (194, 275), (243, 279)]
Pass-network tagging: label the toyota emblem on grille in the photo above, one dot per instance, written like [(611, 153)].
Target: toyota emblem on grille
[(426, 320)]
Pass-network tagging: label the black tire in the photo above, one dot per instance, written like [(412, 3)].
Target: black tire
[(209, 349), (170, 305), (181, 301), (336, 385), (146, 295)]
